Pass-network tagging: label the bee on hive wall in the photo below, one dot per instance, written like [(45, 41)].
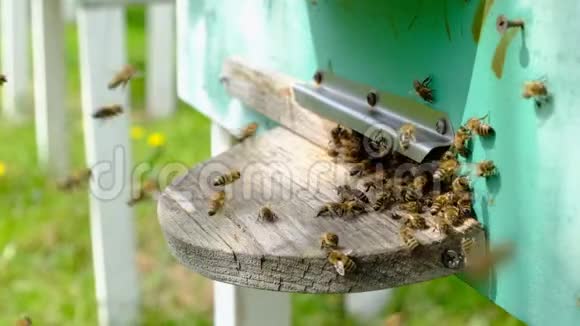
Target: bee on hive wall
[(461, 141), (536, 90), (226, 179), (424, 90), (460, 184), (107, 112), (329, 240), (485, 169), (216, 202), (478, 127), (446, 170), (122, 77), (341, 261), (406, 135)]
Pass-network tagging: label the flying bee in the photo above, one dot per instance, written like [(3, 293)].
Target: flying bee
[(144, 193), (460, 184), (446, 170), (2, 79), (328, 240), (464, 203), (362, 168), (451, 215), (74, 180), (461, 141), (406, 135), (415, 221), (476, 126), (346, 193), (408, 238), (226, 179), (108, 111), (216, 202), (248, 131), (441, 201), (122, 77), (383, 199), (24, 321), (485, 169), (341, 261), (267, 215), (424, 90)]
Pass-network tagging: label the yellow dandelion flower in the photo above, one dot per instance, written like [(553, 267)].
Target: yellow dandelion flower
[(156, 139), (137, 132), (2, 169)]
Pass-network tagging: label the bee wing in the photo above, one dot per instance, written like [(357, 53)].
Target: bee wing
[(347, 252), (339, 266)]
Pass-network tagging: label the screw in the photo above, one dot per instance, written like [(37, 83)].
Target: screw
[(441, 126), (372, 98), (451, 259), (318, 77), (502, 24)]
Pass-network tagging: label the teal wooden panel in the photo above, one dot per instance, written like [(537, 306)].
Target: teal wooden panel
[(536, 197)]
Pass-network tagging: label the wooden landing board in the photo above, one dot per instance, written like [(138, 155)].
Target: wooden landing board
[(295, 177)]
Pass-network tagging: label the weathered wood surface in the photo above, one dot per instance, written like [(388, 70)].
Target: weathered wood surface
[(234, 247), (270, 93)]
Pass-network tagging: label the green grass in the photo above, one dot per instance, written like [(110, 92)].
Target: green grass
[(45, 249)]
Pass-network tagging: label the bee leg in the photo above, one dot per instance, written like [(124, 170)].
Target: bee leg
[(426, 81)]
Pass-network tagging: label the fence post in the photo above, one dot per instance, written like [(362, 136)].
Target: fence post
[(14, 20), (108, 151), (161, 79), (49, 85)]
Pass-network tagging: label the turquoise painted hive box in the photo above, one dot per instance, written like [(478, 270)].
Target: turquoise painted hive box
[(476, 70)]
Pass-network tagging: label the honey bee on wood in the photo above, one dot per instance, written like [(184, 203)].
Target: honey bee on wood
[(406, 193), (341, 261), (74, 180), (352, 208), (409, 207), (441, 201), (337, 134), (408, 237), (383, 199), (216, 202), (122, 77), (485, 169), (24, 321), (406, 135), (346, 193), (415, 221), (330, 209), (226, 179), (478, 127), (107, 112), (441, 225), (419, 184), (332, 151), (362, 168), (460, 184), (145, 192), (424, 90), (480, 267), (329, 240), (464, 203), (446, 170), (2, 79), (466, 246), (451, 215), (267, 215), (248, 131), (461, 141), (537, 90)]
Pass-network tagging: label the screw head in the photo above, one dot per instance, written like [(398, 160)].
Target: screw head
[(502, 24), (441, 126), (318, 77), (451, 259), (372, 98)]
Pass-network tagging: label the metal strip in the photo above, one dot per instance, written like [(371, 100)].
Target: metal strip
[(349, 104)]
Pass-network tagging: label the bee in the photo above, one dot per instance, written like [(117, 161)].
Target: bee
[(332, 151), (331, 209), (406, 135), (341, 262), (406, 193), (451, 215), (460, 184), (346, 193), (415, 221), (352, 208), (448, 155), (2, 79), (74, 180), (226, 179), (441, 201), (144, 193), (441, 225), (461, 140), (476, 126), (480, 267), (419, 184), (383, 199), (216, 202), (408, 238), (534, 89), (485, 169), (446, 170), (409, 207), (464, 203), (248, 131), (424, 90), (267, 215), (328, 240), (107, 112), (470, 224), (362, 168), (24, 321), (337, 134), (467, 246), (122, 77)]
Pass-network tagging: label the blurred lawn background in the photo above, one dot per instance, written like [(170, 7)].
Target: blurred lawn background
[(45, 249)]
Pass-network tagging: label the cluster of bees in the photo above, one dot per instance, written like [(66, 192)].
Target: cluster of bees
[(438, 196)]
